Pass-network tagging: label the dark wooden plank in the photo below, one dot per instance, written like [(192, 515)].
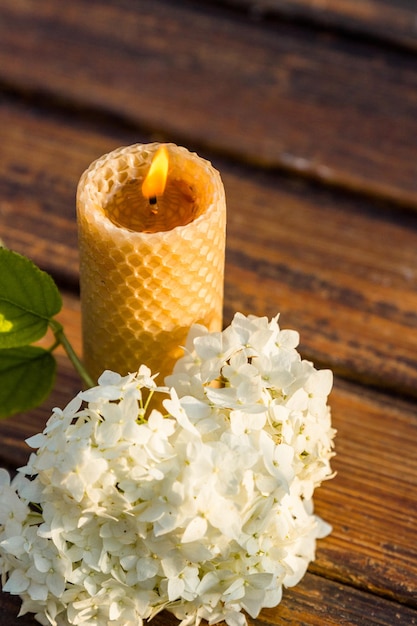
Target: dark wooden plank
[(393, 21), (319, 257), (322, 261), (320, 602), (371, 503), (330, 108), (43, 158)]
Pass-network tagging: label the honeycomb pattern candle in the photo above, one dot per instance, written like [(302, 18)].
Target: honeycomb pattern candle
[(151, 256)]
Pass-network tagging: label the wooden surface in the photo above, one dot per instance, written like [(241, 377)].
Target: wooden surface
[(309, 110)]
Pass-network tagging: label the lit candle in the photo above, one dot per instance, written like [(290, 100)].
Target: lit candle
[(152, 240), (156, 179)]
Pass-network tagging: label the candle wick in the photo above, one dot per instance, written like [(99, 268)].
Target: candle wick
[(153, 204)]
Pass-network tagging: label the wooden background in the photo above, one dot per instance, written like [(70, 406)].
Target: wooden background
[(309, 110)]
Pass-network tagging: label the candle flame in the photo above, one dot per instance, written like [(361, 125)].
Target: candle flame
[(156, 178)]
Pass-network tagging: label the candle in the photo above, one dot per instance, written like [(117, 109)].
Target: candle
[(151, 256)]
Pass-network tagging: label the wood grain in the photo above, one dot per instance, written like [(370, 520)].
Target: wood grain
[(308, 110), (322, 261), (392, 21), (340, 111), (370, 503), (318, 257)]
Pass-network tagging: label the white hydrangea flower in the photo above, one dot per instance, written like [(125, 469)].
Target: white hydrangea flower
[(204, 509)]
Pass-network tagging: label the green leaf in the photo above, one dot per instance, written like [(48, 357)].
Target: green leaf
[(27, 376), (28, 300)]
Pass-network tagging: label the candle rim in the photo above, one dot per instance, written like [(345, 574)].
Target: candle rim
[(96, 211)]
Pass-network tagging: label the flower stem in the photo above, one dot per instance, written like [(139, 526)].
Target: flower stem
[(61, 338)]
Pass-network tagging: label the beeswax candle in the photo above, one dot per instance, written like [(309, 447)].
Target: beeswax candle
[(148, 271)]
